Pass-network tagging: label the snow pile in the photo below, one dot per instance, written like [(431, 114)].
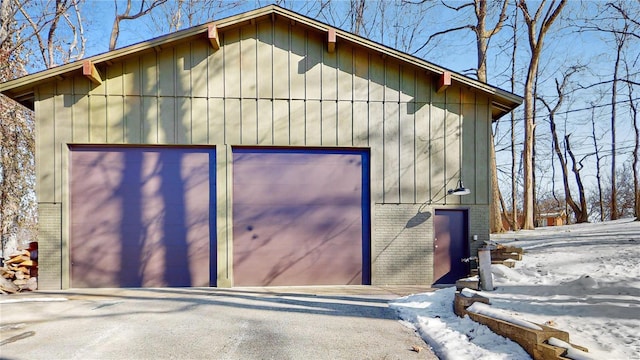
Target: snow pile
[(583, 279), (572, 353), (466, 292), (451, 337), (486, 310)]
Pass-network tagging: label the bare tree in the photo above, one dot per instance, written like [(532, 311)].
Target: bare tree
[(145, 8), (580, 211), (620, 39), (633, 109), (17, 178), (514, 154), (46, 27), (536, 33)]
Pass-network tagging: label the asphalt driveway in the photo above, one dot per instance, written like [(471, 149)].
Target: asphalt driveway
[(207, 323)]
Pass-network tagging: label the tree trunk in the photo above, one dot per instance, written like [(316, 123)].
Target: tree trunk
[(495, 215), (614, 190), (536, 40), (598, 172), (514, 153)]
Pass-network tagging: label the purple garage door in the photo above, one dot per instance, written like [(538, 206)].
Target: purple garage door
[(140, 216), (450, 246), (300, 217)]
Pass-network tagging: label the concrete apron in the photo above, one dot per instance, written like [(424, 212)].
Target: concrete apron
[(319, 322)]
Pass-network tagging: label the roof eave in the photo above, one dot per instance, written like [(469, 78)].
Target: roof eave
[(21, 89)]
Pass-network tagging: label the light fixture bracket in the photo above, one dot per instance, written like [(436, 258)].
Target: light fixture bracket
[(460, 190)]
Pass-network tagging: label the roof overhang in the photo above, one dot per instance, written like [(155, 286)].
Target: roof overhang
[(22, 89)]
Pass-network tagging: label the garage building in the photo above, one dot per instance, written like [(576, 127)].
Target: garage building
[(261, 149)]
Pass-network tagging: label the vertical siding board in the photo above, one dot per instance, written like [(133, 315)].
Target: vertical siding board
[(297, 123), (97, 118), (346, 127), (150, 101), (232, 63), (184, 123), (376, 120), (330, 130), (45, 142), (313, 123), (248, 63), (182, 68), (281, 122), (133, 119), (199, 131), (407, 156), (391, 149), (297, 62), (198, 71), (345, 73), (265, 59), (167, 72), (215, 71), (265, 122), (392, 81), (407, 84), (421, 109), (376, 78), (313, 67), (167, 120), (114, 79), (132, 76), (361, 118), (452, 143), (422, 152), (468, 149), (281, 60), (407, 136), (63, 135), (150, 120), (115, 123), (436, 158), (329, 71), (361, 74), (80, 110), (232, 121), (249, 122), (97, 113), (215, 108), (149, 75)]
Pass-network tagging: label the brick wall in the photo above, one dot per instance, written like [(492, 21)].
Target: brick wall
[(402, 252), (478, 225), (49, 246)]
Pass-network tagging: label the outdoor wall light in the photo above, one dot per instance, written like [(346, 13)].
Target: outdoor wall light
[(460, 190)]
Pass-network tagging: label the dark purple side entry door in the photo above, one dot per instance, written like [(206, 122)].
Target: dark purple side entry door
[(140, 216), (450, 246), (300, 217)]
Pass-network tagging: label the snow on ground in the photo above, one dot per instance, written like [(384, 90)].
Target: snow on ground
[(584, 279)]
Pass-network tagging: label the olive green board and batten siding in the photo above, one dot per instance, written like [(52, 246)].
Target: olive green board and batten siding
[(274, 83)]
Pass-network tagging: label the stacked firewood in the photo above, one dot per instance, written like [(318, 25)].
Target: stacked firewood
[(506, 255), (19, 272)]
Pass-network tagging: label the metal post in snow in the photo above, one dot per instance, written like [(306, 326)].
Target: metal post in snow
[(484, 268)]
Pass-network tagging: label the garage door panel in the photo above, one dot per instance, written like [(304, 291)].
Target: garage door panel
[(298, 218), (147, 209)]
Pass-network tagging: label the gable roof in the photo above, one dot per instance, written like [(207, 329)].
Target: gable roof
[(22, 89)]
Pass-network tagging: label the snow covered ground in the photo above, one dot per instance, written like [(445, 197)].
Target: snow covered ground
[(584, 279)]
